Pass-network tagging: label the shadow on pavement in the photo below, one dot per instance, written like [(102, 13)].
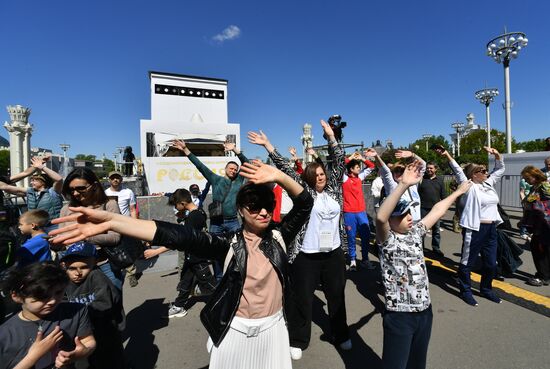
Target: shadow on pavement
[(141, 351), (366, 282)]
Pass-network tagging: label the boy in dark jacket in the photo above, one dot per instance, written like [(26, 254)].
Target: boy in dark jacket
[(89, 286)]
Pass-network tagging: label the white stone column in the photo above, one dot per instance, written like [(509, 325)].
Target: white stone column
[(307, 142), (20, 133)]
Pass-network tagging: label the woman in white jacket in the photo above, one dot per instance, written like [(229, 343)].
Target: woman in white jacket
[(479, 220)]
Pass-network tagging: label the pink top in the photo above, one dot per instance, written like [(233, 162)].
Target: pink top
[(262, 292)]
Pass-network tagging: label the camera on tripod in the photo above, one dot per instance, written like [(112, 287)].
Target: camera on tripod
[(335, 122)]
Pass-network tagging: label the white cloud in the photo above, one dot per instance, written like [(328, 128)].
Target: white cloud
[(230, 33)]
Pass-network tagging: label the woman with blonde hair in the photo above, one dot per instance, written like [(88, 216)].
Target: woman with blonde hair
[(479, 221), (536, 218)]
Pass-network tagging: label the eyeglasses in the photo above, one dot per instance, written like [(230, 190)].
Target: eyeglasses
[(79, 189), (484, 171)]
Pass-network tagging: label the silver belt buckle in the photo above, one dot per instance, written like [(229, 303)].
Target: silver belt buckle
[(253, 331)]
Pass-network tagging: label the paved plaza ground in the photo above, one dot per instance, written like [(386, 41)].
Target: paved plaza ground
[(514, 334)]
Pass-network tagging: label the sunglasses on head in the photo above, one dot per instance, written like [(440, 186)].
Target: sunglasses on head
[(80, 189)]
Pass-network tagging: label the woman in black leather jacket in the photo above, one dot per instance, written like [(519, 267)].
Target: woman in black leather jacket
[(245, 315)]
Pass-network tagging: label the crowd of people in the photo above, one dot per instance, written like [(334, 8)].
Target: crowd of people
[(276, 234)]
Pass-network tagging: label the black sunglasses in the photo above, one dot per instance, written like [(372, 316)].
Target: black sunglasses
[(79, 189), (256, 208), (484, 171)]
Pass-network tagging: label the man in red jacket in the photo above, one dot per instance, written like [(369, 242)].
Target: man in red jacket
[(355, 216)]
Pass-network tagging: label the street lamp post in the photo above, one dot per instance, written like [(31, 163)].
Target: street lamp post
[(503, 49), (486, 97), (427, 137), (458, 127), (120, 165)]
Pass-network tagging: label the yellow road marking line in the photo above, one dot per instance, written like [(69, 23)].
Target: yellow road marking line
[(506, 287)]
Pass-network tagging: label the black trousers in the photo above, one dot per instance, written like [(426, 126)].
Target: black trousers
[(406, 339), (191, 271), (307, 271), (540, 250)]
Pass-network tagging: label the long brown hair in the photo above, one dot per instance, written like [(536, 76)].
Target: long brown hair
[(534, 173), (97, 194)]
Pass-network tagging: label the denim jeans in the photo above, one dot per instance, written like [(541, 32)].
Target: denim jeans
[(115, 275), (221, 227)]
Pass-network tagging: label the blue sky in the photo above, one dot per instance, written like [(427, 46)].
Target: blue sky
[(392, 69)]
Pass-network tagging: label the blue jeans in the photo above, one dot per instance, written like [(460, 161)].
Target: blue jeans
[(357, 222), (482, 242), (115, 275), (221, 227)]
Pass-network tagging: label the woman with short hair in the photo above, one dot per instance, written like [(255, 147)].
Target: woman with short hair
[(536, 218)]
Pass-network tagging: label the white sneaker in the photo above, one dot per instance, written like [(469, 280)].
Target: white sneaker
[(346, 346), (176, 312), (295, 353), (353, 266)]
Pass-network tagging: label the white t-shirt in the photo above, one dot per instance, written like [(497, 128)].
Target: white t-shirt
[(325, 217), (126, 198), (286, 203)]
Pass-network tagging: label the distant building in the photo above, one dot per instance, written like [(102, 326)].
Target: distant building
[(193, 109)]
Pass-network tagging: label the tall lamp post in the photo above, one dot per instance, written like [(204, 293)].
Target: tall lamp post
[(486, 97), (503, 49), (458, 127), (427, 137)]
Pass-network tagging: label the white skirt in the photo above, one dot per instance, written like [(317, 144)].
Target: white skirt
[(253, 344)]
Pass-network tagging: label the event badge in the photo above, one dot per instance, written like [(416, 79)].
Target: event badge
[(326, 240)]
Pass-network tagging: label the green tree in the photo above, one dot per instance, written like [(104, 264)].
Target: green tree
[(85, 157), (419, 148), (4, 162), (471, 146), (108, 165), (532, 145)]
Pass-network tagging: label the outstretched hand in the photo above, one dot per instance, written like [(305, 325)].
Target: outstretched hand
[(258, 138), (89, 222), (37, 162), (178, 145), (258, 172), (370, 153), (464, 186), (229, 146), (310, 151), (491, 150), (328, 131), (292, 151), (402, 154), (412, 174)]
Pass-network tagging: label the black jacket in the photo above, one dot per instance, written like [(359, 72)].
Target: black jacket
[(224, 302)]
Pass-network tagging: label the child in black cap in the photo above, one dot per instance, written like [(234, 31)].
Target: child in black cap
[(89, 286), (407, 319)]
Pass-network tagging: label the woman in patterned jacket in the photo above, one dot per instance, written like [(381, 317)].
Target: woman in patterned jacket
[(317, 253)]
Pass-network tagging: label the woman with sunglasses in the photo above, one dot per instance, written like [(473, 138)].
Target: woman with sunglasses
[(82, 188), (245, 316), (479, 221), (317, 254)]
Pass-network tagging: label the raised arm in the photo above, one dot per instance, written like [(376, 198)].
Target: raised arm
[(336, 156), (442, 206), (411, 176), (403, 154), (257, 172), (260, 138), (455, 167), (13, 190), (499, 169), (111, 238), (230, 146), (205, 171)]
